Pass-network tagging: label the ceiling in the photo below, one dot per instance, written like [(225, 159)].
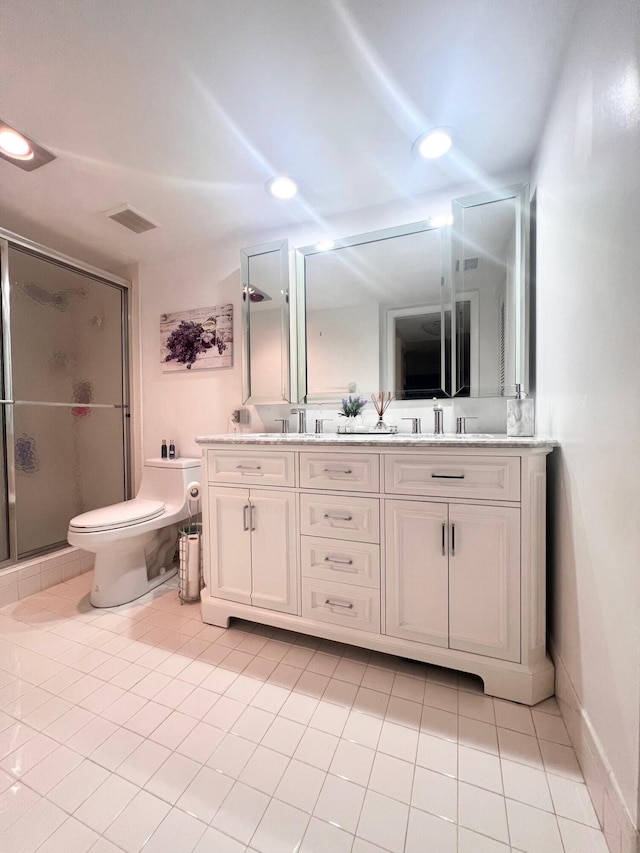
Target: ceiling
[(185, 108)]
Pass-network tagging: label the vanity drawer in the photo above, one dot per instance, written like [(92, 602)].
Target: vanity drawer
[(338, 517), (341, 604), (352, 472), (248, 467), (356, 563), (488, 477)]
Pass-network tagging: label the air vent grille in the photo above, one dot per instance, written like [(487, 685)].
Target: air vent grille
[(131, 219), (471, 264)]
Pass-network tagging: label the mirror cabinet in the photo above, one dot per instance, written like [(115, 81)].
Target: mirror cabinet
[(420, 310)]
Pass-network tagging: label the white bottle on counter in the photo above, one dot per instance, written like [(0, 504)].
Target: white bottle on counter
[(520, 416)]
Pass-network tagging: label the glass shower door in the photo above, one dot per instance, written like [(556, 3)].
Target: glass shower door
[(68, 386)]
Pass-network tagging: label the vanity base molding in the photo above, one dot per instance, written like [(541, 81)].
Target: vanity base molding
[(429, 553), (503, 679)]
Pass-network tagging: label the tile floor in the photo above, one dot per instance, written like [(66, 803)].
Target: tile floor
[(141, 728)]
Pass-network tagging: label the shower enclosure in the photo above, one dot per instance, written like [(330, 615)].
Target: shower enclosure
[(64, 399)]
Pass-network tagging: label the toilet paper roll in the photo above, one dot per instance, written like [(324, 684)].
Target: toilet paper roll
[(193, 491)]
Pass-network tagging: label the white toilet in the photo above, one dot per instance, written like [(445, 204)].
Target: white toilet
[(135, 541)]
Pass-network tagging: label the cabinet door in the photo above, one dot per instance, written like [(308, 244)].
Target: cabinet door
[(484, 580), (230, 544), (273, 551), (416, 571)]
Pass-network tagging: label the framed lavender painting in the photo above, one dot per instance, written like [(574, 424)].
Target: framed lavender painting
[(200, 339)]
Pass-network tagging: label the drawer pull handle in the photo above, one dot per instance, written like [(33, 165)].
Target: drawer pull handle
[(339, 517), (337, 471), (244, 468), (448, 476), (339, 561), (339, 604)]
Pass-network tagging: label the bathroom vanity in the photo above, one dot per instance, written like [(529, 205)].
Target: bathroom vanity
[(431, 548)]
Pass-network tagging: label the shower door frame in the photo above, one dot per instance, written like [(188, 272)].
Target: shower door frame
[(7, 240)]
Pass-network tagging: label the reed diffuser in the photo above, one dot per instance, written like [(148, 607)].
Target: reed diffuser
[(381, 404)]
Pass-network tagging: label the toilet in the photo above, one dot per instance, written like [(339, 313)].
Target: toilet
[(135, 541)]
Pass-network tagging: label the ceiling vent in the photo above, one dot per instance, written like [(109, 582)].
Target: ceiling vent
[(131, 219)]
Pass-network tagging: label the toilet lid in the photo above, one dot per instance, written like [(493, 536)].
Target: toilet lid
[(117, 515)]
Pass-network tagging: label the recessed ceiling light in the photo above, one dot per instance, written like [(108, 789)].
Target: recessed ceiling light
[(282, 187), (21, 150), (434, 144), (14, 144)]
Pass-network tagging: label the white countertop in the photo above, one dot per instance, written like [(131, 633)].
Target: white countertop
[(377, 440)]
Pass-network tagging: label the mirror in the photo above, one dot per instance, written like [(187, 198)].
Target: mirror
[(419, 310), (265, 322), (489, 258)]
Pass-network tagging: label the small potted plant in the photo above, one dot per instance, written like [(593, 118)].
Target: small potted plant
[(351, 408)]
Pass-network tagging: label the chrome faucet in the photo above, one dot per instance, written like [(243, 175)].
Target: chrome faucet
[(438, 418), (415, 425), (302, 419)]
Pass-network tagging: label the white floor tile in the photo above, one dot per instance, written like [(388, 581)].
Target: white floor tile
[(142, 763), (578, 838), (435, 793), (437, 754), (427, 832), (480, 768), (137, 822), (533, 830), (483, 812), (316, 748), (300, 785), (214, 841), (241, 812), (571, 800), (392, 777), (71, 837), (383, 821), (340, 803), (79, 784), (177, 832), (100, 809), (170, 780), (264, 770), (322, 837), (197, 739), (526, 784), (281, 829), (205, 794), (232, 755)]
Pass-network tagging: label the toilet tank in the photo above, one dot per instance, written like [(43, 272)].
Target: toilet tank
[(167, 479)]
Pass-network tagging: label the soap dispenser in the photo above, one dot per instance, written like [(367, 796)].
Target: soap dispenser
[(520, 414)]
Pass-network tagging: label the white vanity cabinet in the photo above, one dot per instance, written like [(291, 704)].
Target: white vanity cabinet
[(252, 556), (425, 548)]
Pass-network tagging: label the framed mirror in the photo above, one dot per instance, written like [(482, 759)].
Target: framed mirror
[(490, 291), (265, 323), (372, 314), (419, 310)]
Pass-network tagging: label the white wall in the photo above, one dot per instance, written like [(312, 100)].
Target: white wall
[(588, 372)]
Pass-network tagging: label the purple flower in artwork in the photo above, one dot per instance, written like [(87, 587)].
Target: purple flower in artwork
[(185, 342), (190, 339)]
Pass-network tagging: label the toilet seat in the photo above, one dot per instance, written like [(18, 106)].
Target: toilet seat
[(117, 516)]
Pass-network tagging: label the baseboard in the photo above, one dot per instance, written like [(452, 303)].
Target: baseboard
[(619, 831), (31, 576)]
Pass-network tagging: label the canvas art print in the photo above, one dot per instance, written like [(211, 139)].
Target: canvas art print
[(199, 339)]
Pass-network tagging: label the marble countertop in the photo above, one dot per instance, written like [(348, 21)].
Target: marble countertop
[(377, 440)]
